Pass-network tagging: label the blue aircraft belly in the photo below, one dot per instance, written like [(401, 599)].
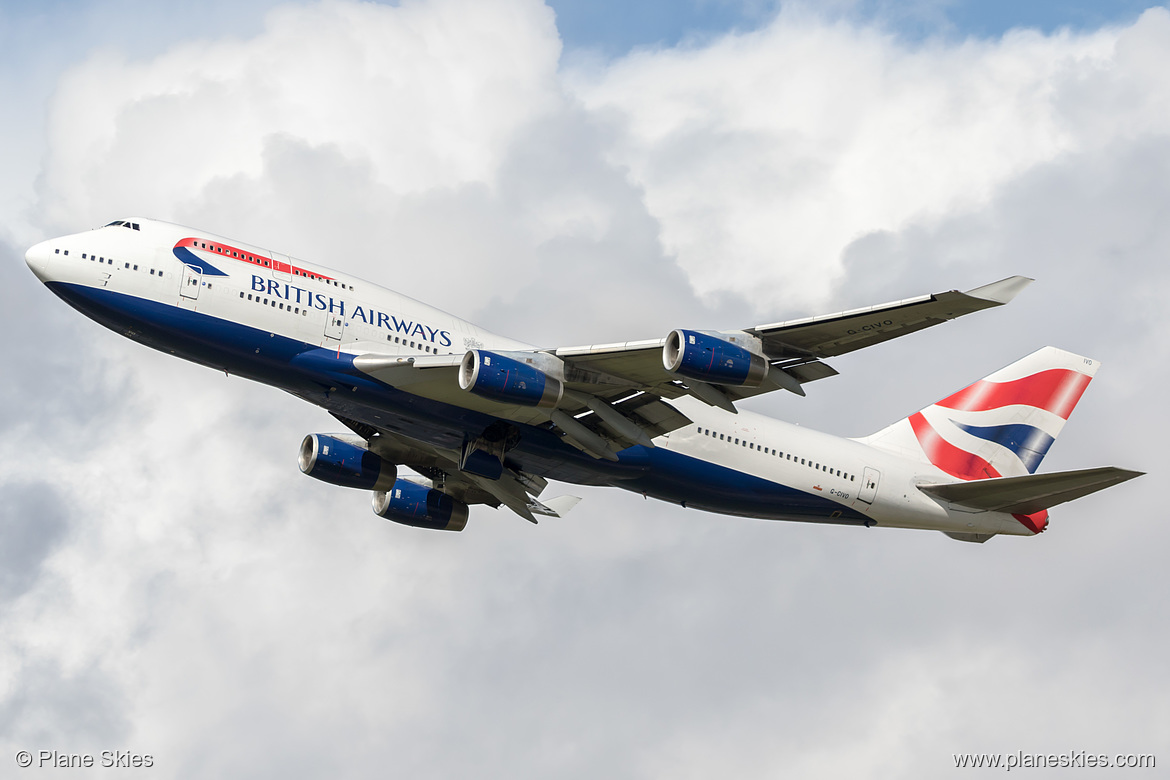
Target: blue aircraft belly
[(700, 484), (328, 379)]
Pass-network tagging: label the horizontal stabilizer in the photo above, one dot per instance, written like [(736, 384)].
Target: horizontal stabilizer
[(1031, 492)]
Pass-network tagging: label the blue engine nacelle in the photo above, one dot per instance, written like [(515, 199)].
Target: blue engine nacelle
[(346, 463), (422, 507), (715, 359), (509, 379)]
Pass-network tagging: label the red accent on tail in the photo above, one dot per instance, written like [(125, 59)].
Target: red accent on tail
[(948, 457), (1056, 390), (1035, 522)]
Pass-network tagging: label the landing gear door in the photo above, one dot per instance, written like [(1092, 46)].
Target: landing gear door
[(869, 485), (334, 326), (192, 281)]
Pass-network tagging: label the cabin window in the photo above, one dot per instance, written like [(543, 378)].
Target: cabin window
[(241, 293), (135, 267), (57, 251), (721, 437), (83, 256)]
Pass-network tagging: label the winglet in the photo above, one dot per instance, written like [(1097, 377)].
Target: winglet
[(1003, 291)]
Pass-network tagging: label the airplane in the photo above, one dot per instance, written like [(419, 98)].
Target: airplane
[(479, 418)]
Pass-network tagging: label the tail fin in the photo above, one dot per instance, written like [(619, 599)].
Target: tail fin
[(1001, 426)]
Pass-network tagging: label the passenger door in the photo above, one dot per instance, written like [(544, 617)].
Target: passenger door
[(334, 326), (192, 281), (869, 484)]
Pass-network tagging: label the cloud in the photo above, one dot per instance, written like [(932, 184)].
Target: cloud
[(168, 569), (765, 154)]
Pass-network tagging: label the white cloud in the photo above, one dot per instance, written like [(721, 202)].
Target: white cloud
[(764, 155), (429, 94), (219, 610)]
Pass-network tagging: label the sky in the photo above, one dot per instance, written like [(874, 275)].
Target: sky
[(572, 173)]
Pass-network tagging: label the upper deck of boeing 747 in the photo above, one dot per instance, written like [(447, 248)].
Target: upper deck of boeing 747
[(176, 265)]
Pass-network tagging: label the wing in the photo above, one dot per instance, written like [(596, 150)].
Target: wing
[(612, 396), (796, 347), (835, 334)]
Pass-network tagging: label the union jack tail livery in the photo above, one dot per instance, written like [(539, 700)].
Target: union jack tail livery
[(1001, 426)]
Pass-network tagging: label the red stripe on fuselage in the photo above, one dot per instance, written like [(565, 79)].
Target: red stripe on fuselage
[(954, 461), (1056, 390), (226, 250)]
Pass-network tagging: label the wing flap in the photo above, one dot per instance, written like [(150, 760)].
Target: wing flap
[(658, 417), (1031, 492)]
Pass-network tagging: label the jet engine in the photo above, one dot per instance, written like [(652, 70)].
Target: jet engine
[(420, 506), (346, 462), (510, 378), (715, 358)]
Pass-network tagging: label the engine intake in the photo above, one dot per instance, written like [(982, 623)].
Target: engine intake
[(714, 359), (508, 379), (345, 462), (422, 507)]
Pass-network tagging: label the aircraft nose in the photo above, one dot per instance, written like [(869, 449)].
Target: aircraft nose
[(39, 258)]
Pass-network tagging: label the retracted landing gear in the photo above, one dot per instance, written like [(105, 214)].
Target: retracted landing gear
[(484, 454)]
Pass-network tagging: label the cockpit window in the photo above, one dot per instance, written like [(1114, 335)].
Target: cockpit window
[(124, 223), (119, 222)]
